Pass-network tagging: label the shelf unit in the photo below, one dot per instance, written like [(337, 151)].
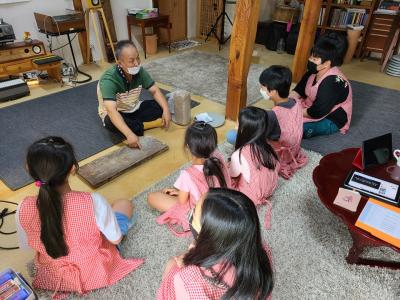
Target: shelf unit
[(329, 6)]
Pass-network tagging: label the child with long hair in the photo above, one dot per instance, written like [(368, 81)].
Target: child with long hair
[(208, 169), (285, 128), (228, 259), (254, 164), (74, 234)]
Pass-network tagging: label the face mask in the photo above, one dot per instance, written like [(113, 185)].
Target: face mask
[(134, 70), (312, 67), (265, 94)]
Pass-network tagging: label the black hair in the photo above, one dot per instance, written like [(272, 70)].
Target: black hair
[(121, 45), (230, 235), (331, 46), (277, 78), (49, 161), (201, 140), (253, 131)]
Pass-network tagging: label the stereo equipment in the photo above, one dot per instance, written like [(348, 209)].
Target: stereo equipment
[(13, 89), (16, 58), (6, 33), (21, 50), (47, 59), (60, 24)]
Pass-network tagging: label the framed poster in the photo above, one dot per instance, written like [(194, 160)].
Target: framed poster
[(12, 1)]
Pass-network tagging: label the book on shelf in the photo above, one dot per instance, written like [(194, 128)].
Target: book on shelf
[(321, 16), (352, 2), (341, 18)]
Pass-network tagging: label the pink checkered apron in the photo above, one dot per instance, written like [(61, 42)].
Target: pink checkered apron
[(177, 216), (288, 147), (195, 285), (92, 261), (311, 92), (263, 182)]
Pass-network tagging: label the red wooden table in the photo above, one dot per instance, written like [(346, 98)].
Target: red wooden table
[(328, 176)]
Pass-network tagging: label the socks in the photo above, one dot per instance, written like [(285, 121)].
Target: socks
[(152, 124)]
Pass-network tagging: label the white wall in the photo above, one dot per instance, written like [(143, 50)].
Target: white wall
[(20, 16), (119, 9)]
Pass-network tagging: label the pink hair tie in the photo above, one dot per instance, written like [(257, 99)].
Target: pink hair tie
[(39, 183)]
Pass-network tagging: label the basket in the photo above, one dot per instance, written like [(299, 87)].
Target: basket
[(286, 14)]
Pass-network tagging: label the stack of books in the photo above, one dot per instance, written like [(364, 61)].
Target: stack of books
[(350, 2), (341, 18)]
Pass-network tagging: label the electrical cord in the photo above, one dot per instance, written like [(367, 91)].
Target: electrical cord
[(65, 45), (5, 213)]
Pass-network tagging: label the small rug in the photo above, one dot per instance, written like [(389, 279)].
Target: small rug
[(375, 112), (71, 113), (202, 74), (185, 44), (309, 245)]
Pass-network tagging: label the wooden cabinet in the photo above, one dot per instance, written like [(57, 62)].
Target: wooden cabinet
[(381, 30), (177, 11), (17, 58)]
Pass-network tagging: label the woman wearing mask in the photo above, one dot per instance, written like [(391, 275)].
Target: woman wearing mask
[(325, 92)]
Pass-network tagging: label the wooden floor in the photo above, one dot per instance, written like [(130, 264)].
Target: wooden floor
[(138, 179)]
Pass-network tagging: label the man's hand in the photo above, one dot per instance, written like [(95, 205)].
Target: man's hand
[(133, 141), (166, 118)]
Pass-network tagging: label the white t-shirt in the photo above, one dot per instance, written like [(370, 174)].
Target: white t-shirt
[(105, 221), (239, 166)]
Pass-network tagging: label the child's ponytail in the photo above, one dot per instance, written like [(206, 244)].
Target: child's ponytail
[(212, 167), (50, 161), (50, 209), (201, 139)]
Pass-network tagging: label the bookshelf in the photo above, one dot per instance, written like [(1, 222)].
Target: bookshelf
[(337, 14)]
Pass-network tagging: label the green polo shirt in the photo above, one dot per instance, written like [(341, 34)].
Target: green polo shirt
[(114, 86)]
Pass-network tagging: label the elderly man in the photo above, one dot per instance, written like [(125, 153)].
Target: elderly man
[(118, 93)]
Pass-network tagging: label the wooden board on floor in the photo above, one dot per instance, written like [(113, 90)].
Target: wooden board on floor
[(105, 168)]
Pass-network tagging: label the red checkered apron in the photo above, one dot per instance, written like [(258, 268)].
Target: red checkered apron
[(288, 148), (263, 182), (196, 286), (177, 216), (92, 261)]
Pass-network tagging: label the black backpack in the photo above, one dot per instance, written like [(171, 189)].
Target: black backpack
[(276, 31)]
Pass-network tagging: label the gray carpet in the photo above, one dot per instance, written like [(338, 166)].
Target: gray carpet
[(202, 74), (375, 112), (308, 243), (71, 113)]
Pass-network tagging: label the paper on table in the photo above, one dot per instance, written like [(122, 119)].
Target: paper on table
[(347, 199), (381, 220)]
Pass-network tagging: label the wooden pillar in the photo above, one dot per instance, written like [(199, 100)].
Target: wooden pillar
[(240, 53), (306, 37), (82, 35)]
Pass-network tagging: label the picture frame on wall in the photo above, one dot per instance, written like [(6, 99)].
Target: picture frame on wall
[(12, 1)]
